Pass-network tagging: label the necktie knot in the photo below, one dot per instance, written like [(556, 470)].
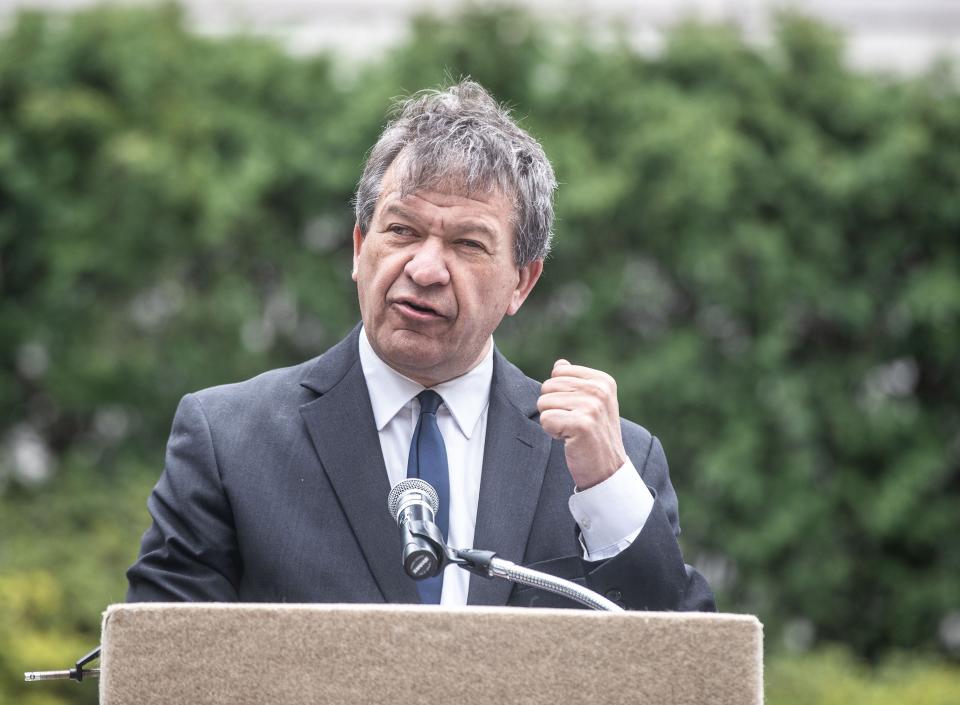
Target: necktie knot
[(430, 401)]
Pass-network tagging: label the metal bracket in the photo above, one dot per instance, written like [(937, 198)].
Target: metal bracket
[(76, 673)]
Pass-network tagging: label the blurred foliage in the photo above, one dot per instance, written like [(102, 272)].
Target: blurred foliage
[(760, 245), (833, 677)]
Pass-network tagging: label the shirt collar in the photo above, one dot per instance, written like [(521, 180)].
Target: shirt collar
[(465, 396)]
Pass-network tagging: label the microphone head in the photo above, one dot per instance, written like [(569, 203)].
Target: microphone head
[(415, 489)]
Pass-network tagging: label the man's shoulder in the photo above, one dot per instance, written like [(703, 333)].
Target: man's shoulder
[(283, 383), (291, 386)]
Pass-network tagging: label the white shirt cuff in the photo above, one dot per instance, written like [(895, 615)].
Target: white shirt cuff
[(612, 513)]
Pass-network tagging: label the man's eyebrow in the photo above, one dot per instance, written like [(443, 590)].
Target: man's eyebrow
[(475, 226), (399, 211)]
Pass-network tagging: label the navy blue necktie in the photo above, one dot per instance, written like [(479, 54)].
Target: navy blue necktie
[(428, 461)]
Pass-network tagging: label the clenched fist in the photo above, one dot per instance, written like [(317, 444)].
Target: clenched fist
[(578, 405)]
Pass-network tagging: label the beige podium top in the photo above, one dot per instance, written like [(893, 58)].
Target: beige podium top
[(193, 654)]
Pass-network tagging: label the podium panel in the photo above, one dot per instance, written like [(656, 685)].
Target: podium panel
[(282, 654)]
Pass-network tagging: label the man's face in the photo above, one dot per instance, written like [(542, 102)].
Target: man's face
[(435, 276)]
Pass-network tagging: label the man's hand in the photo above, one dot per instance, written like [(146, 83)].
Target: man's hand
[(579, 406)]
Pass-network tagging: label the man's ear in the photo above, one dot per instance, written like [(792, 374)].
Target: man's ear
[(529, 274), (357, 244)]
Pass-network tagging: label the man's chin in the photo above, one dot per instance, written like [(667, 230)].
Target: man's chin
[(416, 356)]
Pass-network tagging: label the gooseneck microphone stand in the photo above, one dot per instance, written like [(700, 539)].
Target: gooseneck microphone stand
[(487, 565)]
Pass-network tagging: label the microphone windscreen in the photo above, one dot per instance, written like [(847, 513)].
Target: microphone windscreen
[(415, 486)]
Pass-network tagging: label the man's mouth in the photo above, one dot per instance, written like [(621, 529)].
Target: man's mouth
[(417, 309)]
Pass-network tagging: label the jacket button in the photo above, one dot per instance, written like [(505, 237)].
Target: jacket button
[(614, 595)]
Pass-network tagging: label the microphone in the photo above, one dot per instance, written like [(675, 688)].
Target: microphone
[(413, 503)]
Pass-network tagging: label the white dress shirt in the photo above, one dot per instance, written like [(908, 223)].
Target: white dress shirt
[(610, 514)]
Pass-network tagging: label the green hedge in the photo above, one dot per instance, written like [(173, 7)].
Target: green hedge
[(760, 245), (833, 677)]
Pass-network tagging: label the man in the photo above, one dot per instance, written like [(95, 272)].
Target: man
[(275, 488)]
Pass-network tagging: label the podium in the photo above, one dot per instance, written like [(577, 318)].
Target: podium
[(292, 654)]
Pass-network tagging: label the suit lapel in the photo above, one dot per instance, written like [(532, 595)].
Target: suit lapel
[(344, 434), (514, 461)]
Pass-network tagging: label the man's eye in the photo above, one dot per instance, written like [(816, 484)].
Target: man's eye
[(472, 244)]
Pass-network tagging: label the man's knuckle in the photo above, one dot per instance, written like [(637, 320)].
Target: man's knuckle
[(599, 390)]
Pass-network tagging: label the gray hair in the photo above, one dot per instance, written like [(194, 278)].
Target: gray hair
[(461, 137)]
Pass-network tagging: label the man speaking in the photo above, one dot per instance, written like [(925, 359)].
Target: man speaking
[(275, 488)]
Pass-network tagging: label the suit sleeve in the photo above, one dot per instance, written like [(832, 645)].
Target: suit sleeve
[(650, 574), (190, 551)]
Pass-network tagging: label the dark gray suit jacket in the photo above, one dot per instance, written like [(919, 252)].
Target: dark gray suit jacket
[(275, 491)]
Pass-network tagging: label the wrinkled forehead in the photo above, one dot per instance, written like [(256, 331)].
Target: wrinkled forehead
[(411, 172)]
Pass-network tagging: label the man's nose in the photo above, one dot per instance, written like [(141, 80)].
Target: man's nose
[(427, 266)]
